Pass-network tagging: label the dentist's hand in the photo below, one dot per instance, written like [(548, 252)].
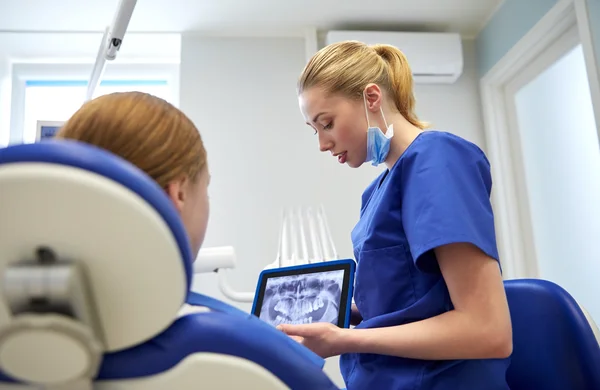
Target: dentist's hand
[(323, 338)]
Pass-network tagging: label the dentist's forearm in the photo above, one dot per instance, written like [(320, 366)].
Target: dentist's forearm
[(452, 335)]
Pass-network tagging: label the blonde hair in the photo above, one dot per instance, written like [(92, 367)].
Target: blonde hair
[(348, 67), (142, 129)]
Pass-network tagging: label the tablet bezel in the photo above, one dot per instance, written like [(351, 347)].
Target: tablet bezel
[(347, 265)]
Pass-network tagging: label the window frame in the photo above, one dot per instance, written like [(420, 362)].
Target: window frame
[(24, 72)]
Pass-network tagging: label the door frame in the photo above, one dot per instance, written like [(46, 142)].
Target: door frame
[(513, 219), (563, 45)]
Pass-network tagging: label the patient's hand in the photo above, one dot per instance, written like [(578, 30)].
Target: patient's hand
[(355, 317)]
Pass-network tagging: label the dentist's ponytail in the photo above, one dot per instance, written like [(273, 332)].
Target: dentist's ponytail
[(401, 82)]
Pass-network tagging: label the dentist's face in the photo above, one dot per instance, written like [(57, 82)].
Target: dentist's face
[(191, 199), (339, 123)]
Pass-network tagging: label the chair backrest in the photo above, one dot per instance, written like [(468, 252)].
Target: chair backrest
[(554, 345), (95, 265)]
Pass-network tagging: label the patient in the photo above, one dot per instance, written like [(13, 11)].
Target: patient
[(161, 141)]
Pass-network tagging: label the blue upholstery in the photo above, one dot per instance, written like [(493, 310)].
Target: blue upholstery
[(269, 337), (554, 347), (225, 330), (219, 333), (228, 331)]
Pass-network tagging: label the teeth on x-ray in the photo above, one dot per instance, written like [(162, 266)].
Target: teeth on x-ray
[(287, 307), (303, 299)]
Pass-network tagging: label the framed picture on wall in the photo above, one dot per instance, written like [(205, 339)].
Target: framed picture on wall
[(47, 129)]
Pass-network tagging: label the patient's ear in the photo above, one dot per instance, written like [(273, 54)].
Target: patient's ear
[(176, 191)]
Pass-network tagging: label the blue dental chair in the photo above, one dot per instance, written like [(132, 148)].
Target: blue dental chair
[(555, 343), (95, 267)]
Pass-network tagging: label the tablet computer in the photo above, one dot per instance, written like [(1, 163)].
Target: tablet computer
[(303, 294)]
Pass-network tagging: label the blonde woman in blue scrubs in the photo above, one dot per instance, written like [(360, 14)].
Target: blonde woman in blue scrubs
[(428, 288)]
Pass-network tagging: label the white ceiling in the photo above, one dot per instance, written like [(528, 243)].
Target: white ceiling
[(465, 16)]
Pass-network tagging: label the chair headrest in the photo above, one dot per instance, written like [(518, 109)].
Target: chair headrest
[(91, 207)]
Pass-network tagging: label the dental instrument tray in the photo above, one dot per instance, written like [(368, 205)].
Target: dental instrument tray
[(303, 294)]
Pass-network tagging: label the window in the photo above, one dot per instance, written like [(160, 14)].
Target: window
[(57, 100), (53, 92)]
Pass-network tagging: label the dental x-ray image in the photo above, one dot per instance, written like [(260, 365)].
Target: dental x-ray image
[(303, 299)]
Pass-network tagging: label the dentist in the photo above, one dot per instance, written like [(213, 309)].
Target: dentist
[(430, 300)]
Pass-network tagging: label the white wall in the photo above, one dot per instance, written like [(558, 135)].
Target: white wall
[(562, 166), (455, 108), (241, 94), (5, 99)]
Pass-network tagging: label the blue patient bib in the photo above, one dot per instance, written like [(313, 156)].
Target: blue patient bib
[(437, 193)]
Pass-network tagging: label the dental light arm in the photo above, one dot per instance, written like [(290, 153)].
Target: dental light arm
[(111, 43), (220, 260), (215, 258), (293, 249)]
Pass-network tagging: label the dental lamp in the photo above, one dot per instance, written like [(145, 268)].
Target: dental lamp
[(294, 249), (111, 43)]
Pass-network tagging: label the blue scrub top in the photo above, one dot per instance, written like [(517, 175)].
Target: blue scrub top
[(437, 193)]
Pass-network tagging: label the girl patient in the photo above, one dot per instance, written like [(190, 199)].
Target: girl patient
[(163, 142), (160, 140)]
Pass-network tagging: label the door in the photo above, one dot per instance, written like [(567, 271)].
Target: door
[(557, 158)]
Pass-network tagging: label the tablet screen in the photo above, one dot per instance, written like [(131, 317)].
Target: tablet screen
[(305, 294), (303, 299)]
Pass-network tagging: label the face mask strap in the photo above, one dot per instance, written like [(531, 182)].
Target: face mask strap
[(383, 116), (367, 113)]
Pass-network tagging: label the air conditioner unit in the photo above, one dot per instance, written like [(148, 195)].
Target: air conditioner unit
[(435, 58)]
